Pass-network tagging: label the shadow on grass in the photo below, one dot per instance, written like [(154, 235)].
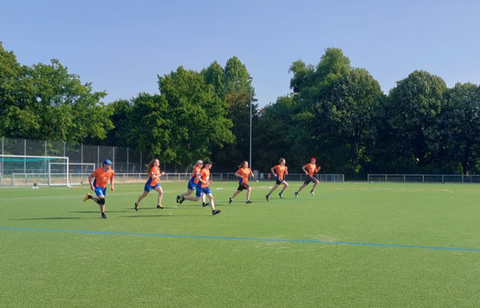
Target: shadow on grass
[(48, 218)]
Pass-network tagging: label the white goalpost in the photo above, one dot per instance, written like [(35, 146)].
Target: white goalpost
[(25, 170), (76, 173)]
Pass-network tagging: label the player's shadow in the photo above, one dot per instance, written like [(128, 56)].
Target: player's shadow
[(49, 218), (88, 212)]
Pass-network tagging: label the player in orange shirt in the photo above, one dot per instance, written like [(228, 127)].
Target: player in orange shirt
[(309, 170), (154, 174), (192, 183), (99, 185), (243, 172), (279, 171), (204, 178)]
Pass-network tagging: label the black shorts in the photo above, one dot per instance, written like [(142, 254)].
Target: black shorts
[(279, 181), (242, 186), (310, 179)]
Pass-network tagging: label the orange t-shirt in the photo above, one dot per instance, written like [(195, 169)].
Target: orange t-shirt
[(205, 174), (244, 172), (196, 171), (280, 171), (311, 168), (102, 177), (155, 171)]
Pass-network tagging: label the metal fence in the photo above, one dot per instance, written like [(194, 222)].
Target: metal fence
[(125, 160), (422, 178)]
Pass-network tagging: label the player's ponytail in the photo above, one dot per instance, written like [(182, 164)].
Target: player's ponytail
[(242, 164), (150, 165)]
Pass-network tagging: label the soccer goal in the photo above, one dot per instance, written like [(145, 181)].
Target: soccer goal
[(77, 173), (24, 170)]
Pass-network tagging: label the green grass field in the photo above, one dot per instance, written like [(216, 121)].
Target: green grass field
[(352, 245)]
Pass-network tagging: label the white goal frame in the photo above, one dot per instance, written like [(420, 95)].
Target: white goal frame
[(45, 171), (69, 175)]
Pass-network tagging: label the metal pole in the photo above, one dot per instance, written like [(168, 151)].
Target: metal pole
[(250, 97)]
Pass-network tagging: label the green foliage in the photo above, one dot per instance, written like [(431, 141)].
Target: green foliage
[(197, 116), (46, 102)]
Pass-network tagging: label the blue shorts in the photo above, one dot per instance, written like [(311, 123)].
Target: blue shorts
[(200, 190), (99, 191), (192, 185), (148, 188)]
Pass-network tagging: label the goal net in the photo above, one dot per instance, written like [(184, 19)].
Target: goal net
[(77, 173), (23, 170)]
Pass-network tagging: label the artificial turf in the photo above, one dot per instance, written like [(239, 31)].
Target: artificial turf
[(351, 245)]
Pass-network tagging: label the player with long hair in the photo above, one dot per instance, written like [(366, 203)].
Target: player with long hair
[(98, 183), (193, 182), (154, 174), (204, 178), (243, 172), (279, 171), (309, 170)]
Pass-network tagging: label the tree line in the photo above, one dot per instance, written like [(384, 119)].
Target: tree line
[(335, 112)]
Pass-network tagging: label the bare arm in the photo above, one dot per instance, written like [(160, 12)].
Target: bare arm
[(112, 181), (90, 180), (273, 171)]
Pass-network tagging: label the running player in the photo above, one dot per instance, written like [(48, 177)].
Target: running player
[(243, 172), (279, 171), (153, 170), (309, 170), (192, 184), (99, 185), (204, 178)]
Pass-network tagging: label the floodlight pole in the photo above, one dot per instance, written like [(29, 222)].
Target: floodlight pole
[(251, 99)]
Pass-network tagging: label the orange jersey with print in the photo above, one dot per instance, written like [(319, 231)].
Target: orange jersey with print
[(280, 171), (311, 168), (102, 177), (205, 174), (196, 171), (155, 171), (245, 172)]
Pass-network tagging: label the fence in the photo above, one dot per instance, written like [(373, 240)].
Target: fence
[(422, 178)]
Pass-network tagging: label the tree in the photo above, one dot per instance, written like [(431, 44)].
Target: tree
[(415, 104), (197, 116), (150, 126), (356, 96), (458, 126)]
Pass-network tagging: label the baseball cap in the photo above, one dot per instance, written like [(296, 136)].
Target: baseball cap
[(199, 162), (313, 159), (106, 162)]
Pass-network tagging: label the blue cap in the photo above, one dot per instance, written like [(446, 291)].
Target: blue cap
[(106, 162)]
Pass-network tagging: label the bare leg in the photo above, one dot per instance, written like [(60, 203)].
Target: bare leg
[(249, 191), (140, 198), (160, 194)]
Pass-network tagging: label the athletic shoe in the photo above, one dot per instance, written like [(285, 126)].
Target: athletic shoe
[(230, 200), (160, 206), (280, 195), (267, 197), (178, 198), (87, 196), (215, 212), (248, 202), (136, 206), (205, 204), (104, 216), (296, 195), (311, 191), (182, 199)]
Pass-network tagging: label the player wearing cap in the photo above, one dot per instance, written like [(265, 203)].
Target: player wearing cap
[(99, 185), (153, 170), (309, 170), (243, 172), (204, 178), (279, 171), (192, 183)]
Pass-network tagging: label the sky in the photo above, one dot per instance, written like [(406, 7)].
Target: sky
[(121, 46)]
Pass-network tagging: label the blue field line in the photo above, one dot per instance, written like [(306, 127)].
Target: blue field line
[(240, 239)]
